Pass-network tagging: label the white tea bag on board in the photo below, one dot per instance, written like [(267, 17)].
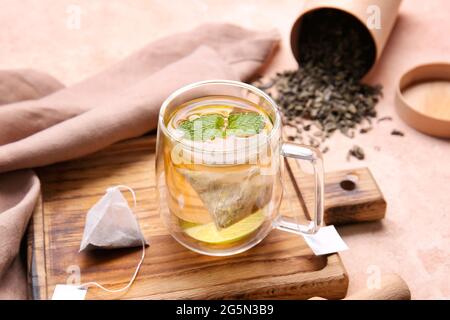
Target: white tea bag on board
[(111, 224)]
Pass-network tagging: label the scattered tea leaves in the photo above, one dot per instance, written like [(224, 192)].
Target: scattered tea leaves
[(384, 119), (356, 152), (325, 94), (365, 130), (396, 132)]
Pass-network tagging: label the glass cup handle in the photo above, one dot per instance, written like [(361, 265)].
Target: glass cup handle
[(293, 150)]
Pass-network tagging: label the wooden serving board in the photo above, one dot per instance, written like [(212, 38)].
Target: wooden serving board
[(280, 267)]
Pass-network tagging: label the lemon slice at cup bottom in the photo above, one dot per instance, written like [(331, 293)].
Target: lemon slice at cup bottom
[(209, 233)]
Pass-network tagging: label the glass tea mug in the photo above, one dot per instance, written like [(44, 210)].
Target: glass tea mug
[(224, 200)]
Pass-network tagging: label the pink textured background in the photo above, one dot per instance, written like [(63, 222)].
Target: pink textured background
[(413, 172)]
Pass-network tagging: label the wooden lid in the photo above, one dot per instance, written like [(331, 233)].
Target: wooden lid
[(423, 99)]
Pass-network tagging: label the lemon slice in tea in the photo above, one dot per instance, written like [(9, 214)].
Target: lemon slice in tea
[(209, 233)]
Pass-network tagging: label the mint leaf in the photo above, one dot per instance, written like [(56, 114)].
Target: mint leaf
[(206, 127), (211, 126), (245, 123)]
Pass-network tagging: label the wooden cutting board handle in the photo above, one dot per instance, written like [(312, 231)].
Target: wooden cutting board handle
[(392, 287), (351, 196)]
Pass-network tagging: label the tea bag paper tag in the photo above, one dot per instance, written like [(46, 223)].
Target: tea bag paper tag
[(68, 292), (326, 240)]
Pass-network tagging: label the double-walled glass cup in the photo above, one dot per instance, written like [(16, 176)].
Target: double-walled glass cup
[(222, 196)]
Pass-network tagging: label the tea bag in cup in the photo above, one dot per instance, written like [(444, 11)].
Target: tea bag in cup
[(231, 196), (111, 224), (222, 158)]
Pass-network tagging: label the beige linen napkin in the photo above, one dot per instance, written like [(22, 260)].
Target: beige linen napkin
[(42, 123)]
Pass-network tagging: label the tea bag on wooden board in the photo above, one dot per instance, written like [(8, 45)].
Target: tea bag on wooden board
[(111, 223), (231, 196)]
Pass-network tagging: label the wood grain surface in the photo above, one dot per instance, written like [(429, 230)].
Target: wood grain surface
[(351, 196), (280, 267)]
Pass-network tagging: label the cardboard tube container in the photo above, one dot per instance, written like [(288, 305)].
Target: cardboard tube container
[(367, 12)]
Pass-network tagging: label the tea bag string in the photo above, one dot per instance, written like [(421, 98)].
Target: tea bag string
[(122, 186), (96, 284)]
